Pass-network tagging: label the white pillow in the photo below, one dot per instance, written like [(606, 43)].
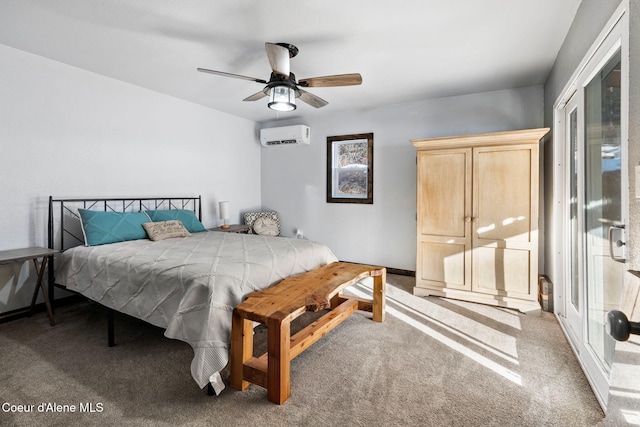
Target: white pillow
[(265, 227)]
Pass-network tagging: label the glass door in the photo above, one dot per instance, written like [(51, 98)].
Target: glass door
[(595, 206), (603, 213)]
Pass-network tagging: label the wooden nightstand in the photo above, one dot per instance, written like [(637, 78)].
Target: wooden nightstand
[(233, 228)]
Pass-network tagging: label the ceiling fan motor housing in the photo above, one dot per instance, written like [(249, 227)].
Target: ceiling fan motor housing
[(279, 80)]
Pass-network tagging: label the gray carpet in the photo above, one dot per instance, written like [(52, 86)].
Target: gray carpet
[(433, 362)]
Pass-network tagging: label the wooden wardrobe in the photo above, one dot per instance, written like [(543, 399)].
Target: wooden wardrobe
[(477, 217)]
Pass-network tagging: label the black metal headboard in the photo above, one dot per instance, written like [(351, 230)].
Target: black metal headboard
[(65, 230), (64, 221)]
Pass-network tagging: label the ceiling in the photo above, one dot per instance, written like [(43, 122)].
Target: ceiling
[(406, 51)]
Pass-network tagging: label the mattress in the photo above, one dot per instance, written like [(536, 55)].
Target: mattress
[(188, 286)]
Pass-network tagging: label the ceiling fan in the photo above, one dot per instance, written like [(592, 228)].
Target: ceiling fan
[(282, 87)]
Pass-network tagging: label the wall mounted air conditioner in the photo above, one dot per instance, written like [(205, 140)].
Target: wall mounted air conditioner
[(298, 134)]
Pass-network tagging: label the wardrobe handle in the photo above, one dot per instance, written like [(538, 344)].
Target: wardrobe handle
[(467, 219)]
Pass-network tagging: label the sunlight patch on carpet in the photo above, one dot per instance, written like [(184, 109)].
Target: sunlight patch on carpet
[(487, 363), (507, 354)]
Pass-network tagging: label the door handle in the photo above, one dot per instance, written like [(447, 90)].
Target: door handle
[(619, 243), (619, 327)]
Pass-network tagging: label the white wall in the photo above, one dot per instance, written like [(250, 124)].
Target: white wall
[(70, 133), (293, 177)]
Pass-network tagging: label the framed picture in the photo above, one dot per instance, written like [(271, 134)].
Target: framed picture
[(350, 168)]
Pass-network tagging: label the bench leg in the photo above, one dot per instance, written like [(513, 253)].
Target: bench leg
[(279, 364), (241, 349), (379, 285)]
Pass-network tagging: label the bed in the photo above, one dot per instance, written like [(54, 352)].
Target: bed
[(187, 285)]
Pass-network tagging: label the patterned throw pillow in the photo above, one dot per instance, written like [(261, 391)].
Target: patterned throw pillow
[(165, 230), (266, 227), (251, 217)]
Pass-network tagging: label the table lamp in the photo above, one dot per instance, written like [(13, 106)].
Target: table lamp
[(224, 214)]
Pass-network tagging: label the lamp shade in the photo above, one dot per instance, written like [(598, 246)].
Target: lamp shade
[(282, 98), (224, 210)]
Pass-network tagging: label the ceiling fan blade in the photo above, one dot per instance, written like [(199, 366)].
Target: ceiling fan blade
[(278, 58), (328, 81), (235, 76), (311, 99), (255, 96)]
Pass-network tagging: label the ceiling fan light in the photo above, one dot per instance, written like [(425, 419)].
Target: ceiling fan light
[(282, 98)]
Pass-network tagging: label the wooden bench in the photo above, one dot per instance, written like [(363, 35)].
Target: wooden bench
[(277, 306)]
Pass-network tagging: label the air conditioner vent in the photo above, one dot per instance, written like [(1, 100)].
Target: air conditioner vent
[(281, 141)]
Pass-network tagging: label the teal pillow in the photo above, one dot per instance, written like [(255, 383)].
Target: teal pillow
[(100, 227), (187, 217)]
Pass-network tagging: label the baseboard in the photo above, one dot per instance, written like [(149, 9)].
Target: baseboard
[(400, 272), (390, 270)]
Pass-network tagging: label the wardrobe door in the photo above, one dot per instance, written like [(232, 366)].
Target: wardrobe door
[(444, 220), (505, 196)]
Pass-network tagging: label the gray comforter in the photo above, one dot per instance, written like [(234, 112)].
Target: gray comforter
[(188, 285)]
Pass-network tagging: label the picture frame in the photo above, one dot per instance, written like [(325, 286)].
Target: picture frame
[(350, 168)]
